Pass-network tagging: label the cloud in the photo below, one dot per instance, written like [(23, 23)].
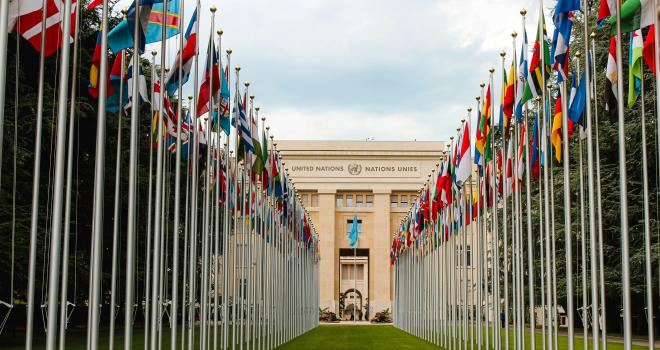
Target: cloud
[(385, 69)]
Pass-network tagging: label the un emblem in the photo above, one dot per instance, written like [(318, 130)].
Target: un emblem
[(354, 169)]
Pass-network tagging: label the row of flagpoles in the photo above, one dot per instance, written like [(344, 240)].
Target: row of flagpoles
[(464, 256), (232, 255)]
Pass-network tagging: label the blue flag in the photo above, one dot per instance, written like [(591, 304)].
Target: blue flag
[(579, 101), (353, 235), (158, 16)]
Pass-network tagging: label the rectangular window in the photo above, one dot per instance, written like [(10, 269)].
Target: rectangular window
[(468, 255), (404, 201), (315, 200), (349, 200), (394, 201), (370, 200), (358, 201), (305, 199), (340, 200)]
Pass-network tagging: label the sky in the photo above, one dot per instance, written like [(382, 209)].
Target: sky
[(358, 69)]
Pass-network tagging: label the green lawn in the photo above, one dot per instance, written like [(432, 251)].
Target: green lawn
[(388, 337)]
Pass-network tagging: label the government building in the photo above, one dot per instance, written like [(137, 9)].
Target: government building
[(373, 180)]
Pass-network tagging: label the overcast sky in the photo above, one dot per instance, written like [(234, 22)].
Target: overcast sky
[(357, 69)]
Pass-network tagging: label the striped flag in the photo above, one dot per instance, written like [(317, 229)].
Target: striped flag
[(185, 58), (29, 26)]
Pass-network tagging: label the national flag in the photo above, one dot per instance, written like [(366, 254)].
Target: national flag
[(611, 81), (509, 168), (29, 25), (121, 36), (464, 158), (222, 108), (560, 41), (635, 67), (605, 10), (578, 99), (258, 159), (185, 58), (112, 102), (483, 132), (635, 14), (522, 78), (556, 134), (534, 163), (94, 4), (94, 74), (649, 49), (143, 92), (500, 120), (18, 8), (507, 108), (243, 127), (477, 153), (265, 175), (205, 90), (158, 16), (522, 151), (537, 74)]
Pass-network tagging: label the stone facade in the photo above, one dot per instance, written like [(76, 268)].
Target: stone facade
[(375, 180)]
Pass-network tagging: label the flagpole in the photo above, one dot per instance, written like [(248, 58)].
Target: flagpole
[(238, 173), (472, 220), (116, 214), (177, 188), (623, 192), (4, 23), (546, 211), (530, 242), (600, 216), (479, 248), (647, 225), (567, 222), (149, 232), (227, 234), (505, 165), (34, 217), (69, 188)]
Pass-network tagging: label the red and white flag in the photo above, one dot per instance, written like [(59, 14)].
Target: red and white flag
[(29, 25)]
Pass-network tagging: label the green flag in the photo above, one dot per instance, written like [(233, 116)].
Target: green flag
[(535, 80), (635, 71)]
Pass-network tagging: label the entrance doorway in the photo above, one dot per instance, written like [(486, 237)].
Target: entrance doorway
[(354, 284)]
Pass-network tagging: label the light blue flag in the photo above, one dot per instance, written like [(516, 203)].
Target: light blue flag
[(155, 24), (353, 235)]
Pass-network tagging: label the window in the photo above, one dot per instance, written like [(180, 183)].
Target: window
[(349, 272), (404, 201), (394, 201), (349, 226), (358, 201), (305, 199), (315, 200), (370, 200), (340, 201), (468, 255), (349, 200)]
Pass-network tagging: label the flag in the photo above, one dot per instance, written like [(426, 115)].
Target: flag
[(93, 87), (143, 92), (538, 74), (28, 25), (258, 159), (158, 16), (186, 58), (464, 158), (534, 163), (500, 120), (483, 132), (635, 14), (265, 175), (205, 90), (121, 36), (649, 49), (94, 4), (522, 78), (112, 102), (635, 67), (522, 149), (605, 10), (223, 101), (243, 127), (509, 169), (477, 153), (560, 41), (578, 99), (611, 81), (18, 8), (507, 108), (556, 129)]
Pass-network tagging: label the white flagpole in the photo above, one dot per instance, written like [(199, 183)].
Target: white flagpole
[(116, 213), (99, 181), (149, 233), (623, 190), (4, 23), (505, 165), (34, 218), (69, 188)]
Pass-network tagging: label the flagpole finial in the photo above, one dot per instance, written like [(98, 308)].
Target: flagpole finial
[(578, 54), (268, 128), (451, 138), (190, 97), (491, 70), (154, 53), (593, 35), (220, 32), (167, 69), (537, 99), (463, 120), (514, 34), (523, 12), (252, 97), (478, 98), (213, 8), (482, 85), (549, 85), (247, 83), (469, 109), (228, 51), (263, 119), (238, 69), (231, 151), (271, 137), (124, 11), (502, 53)]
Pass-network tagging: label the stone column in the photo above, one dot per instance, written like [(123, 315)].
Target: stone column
[(380, 254), (328, 251)]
